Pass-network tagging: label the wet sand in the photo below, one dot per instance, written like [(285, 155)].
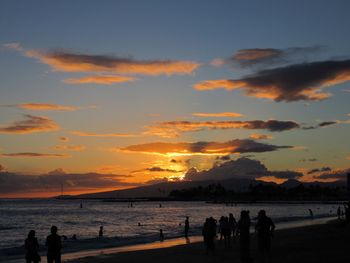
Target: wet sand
[(326, 243)]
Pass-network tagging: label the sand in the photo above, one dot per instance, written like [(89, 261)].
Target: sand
[(318, 243)]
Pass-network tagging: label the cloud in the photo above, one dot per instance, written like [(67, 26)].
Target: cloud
[(45, 107), (258, 136), (104, 80), (201, 148), (219, 114), (92, 134), (174, 128), (52, 181), (309, 160), (70, 147), (67, 61), (240, 168), (317, 170), (295, 82), (285, 174), (32, 154), (327, 123), (30, 124), (334, 175), (64, 139), (269, 56), (160, 169)]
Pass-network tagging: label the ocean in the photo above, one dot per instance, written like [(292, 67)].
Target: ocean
[(126, 225)]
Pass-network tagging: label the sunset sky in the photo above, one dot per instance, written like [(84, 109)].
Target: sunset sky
[(102, 95)]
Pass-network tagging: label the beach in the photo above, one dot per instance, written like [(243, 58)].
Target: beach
[(328, 243)]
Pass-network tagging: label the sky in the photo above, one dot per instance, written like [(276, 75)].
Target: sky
[(108, 95)]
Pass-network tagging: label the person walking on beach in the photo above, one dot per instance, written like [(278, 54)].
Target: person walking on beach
[(226, 231), (264, 227), (209, 234), (233, 225), (161, 235), (31, 245), (54, 245), (100, 232), (187, 226), (244, 236)]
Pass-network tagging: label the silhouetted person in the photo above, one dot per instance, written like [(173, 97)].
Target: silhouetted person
[(74, 237), (54, 245), (100, 232), (311, 214), (244, 236), (81, 205), (221, 221), (339, 212), (347, 212), (264, 227), (161, 235), (233, 225), (209, 234), (226, 231), (187, 226), (31, 245)]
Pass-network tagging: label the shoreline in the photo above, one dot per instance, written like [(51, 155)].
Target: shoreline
[(326, 242), (71, 256)]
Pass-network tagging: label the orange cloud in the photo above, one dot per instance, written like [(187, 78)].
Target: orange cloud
[(201, 148), (64, 139), (174, 128), (31, 124), (105, 80), (290, 83), (257, 53), (31, 154), (257, 136), (45, 106), (72, 62), (70, 147), (219, 114), (91, 134)]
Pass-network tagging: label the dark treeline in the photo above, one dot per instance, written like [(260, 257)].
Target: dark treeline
[(262, 192)]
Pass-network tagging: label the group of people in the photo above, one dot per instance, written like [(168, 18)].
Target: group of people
[(229, 228), (53, 244)]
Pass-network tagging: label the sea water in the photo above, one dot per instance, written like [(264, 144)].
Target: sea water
[(125, 224)]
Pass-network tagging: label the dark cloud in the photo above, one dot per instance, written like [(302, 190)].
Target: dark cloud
[(31, 154), (224, 158), (317, 170), (295, 82), (285, 174), (334, 175), (240, 168), (30, 124), (202, 148), (24, 183), (174, 128), (271, 56), (160, 169), (327, 123)]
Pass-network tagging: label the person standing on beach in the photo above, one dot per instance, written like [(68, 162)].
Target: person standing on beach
[(54, 245), (233, 225), (187, 226), (264, 227), (100, 232), (244, 236), (209, 234), (31, 245)]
